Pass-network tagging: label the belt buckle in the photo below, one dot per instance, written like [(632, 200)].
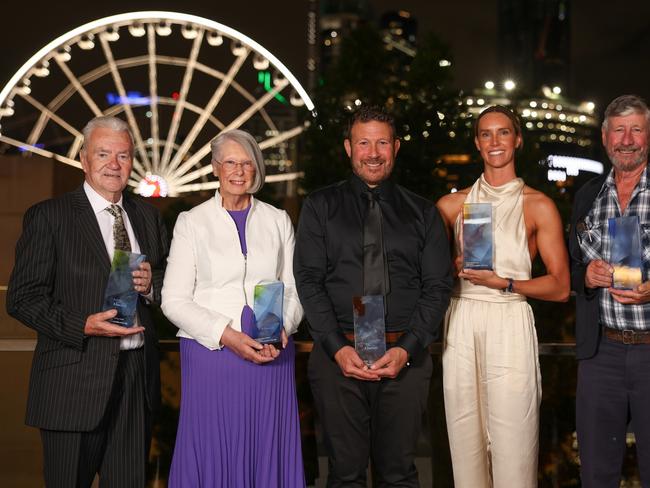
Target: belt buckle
[(628, 336)]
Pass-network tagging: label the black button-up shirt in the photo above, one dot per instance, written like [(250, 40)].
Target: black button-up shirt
[(328, 263)]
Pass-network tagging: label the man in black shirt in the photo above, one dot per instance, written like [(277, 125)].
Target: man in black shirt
[(371, 411)]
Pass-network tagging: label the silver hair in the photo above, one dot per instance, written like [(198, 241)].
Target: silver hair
[(249, 144), (106, 122), (627, 105)]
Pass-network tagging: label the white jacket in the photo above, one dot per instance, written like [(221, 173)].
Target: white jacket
[(208, 281)]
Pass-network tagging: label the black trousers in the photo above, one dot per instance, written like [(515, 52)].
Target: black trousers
[(613, 388), (117, 449), (362, 420)]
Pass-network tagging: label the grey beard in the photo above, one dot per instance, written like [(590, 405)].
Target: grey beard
[(628, 166)]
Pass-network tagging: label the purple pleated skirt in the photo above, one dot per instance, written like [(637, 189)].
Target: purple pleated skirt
[(238, 423)]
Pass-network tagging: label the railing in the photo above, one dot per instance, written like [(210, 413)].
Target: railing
[(545, 349)]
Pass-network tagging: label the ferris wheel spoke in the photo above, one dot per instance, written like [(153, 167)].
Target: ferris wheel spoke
[(281, 137), (153, 92), (41, 152), (75, 146), (117, 79), (79, 87), (178, 110), (212, 104), (243, 117), (50, 115), (213, 185), (261, 102)]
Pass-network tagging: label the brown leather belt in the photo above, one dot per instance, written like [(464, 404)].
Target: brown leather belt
[(391, 337), (627, 336)]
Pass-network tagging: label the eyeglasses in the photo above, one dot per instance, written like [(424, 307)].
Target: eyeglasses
[(230, 165)]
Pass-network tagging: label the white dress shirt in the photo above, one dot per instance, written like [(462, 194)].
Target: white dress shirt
[(105, 221)]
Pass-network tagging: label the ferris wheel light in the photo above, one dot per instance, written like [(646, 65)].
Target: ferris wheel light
[(278, 78), (189, 31), (163, 29), (237, 48), (23, 90), (214, 39), (112, 34), (42, 69), (295, 100), (63, 54), (260, 62), (137, 29), (86, 42)]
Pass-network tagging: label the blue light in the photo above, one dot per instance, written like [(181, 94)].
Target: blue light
[(131, 98), (39, 145)]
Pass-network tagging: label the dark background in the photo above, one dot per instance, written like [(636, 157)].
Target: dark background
[(610, 41)]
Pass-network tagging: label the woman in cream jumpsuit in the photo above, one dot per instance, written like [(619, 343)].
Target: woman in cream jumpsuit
[(491, 374)]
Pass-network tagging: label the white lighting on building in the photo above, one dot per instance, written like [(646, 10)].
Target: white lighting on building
[(555, 175), (444, 63), (509, 85), (557, 90), (489, 85), (573, 166)]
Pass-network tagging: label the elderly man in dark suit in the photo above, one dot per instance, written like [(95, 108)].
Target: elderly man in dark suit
[(613, 325), (94, 384)]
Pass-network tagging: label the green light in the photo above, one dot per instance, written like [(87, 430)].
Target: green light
[(264, 77)]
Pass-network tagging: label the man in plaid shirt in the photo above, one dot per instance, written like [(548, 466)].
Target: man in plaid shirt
[(613, 325)]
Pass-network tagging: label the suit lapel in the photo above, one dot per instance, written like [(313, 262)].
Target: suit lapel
[(137, 222), (88, 227)]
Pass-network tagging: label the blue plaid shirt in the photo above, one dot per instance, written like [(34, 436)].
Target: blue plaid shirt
[(595, 243)]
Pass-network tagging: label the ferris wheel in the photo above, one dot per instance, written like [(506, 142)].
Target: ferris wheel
[(177, 79)]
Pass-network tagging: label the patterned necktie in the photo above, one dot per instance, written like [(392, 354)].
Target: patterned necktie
[(119, 230), (375, 267)]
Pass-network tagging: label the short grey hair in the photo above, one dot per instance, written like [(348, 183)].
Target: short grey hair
[(627, 105), (106, 122), (249, 144)]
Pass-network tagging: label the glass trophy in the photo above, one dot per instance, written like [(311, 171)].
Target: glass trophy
[(478, 247), (267, 307), (120, 293), (625, 256), (369, 327)]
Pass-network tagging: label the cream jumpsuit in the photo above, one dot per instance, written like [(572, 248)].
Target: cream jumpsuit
[(491, 375)]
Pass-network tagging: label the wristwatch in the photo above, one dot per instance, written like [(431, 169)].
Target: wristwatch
[(509, 288)]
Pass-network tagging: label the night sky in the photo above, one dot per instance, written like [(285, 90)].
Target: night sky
[(610, 40)]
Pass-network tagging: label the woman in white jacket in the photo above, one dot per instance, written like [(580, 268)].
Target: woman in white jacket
[(239, 419)]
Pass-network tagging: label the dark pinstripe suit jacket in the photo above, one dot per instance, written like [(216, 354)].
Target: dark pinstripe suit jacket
[(58, 280)]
